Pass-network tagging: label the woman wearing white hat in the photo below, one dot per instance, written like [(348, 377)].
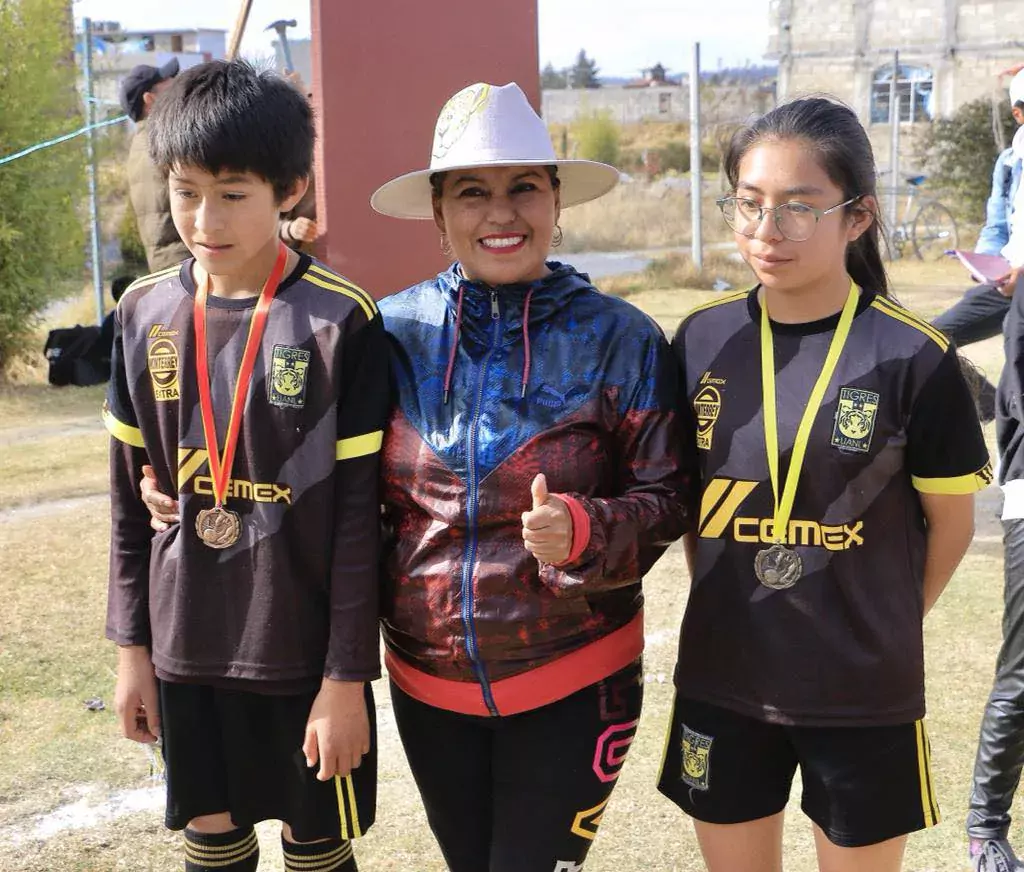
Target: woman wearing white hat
[(531, 481)]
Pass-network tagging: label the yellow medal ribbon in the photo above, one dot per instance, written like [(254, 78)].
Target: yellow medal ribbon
[(784, 507)]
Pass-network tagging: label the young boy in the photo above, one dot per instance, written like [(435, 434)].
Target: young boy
[(254, 382)]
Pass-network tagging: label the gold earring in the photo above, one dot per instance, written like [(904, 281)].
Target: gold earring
[(556, 237), (446, 246)]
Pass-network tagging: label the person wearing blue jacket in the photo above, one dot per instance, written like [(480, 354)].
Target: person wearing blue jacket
[(531, 479), (980, 312)]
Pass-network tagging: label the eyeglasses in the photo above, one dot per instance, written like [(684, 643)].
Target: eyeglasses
[(795, 221)]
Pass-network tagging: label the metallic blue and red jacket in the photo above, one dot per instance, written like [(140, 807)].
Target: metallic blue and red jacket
[(492, 386)]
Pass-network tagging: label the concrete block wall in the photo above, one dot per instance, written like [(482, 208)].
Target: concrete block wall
[(722, 104), (625, 105), (838, 47)]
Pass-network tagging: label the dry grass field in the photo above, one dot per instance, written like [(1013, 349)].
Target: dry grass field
[(76, 798)]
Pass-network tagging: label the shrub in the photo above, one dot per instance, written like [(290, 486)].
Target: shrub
[(41, 232), (597, 137), (957, 154)]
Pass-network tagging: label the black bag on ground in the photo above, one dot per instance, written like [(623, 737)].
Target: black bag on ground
[(77, 356)]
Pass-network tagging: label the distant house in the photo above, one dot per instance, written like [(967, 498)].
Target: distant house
[(116, 51), (654, 77)]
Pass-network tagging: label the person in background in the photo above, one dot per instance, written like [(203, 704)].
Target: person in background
[(147, 186), (979, 314), (298, 228), (1000, 754)]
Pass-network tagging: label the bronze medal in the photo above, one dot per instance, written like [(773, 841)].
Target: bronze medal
[(778, 567), (218, 527)]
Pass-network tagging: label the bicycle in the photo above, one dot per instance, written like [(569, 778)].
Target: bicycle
[(922, 222)]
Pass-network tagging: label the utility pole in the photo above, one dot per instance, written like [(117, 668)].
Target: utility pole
[(90, 151), (894, 146), (696, 178)]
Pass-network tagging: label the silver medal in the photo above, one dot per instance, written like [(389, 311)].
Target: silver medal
[(778, 567)]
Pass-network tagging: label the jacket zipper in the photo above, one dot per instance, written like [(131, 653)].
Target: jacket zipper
[(472, 513)]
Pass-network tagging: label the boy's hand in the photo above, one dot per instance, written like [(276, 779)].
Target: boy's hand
[(135, 697), (338, 730), (303, 230), (547, 528), (163, 509)]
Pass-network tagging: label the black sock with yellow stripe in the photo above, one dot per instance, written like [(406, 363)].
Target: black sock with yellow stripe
[(237, 851), (332, 855)]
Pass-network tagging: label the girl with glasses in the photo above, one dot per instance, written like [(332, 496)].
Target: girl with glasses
[(837, 454)]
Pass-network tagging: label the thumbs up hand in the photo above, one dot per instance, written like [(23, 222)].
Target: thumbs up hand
[(547, 527)]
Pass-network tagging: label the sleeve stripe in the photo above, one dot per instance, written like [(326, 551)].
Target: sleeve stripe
[(337, 279), (337, 282), (730, 298), (901, 315), (958, 484), (359, 446), (152, 278), (124, 432), (338, 289)]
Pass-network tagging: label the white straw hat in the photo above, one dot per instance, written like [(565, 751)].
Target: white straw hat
[(491, 126)]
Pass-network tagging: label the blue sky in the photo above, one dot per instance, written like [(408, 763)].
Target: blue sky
[(622, 35)]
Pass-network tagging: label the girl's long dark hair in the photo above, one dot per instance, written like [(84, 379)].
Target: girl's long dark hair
[(844, 153)]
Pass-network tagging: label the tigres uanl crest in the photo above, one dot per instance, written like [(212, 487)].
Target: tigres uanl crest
[(289, 369), (696, 758), (855, 419)]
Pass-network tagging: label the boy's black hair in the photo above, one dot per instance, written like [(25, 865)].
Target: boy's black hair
[(224, 115)]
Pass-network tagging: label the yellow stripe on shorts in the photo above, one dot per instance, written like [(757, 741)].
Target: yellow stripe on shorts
[(356, 830), (929, 804), (342, 816)]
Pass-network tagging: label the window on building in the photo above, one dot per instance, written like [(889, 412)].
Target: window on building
[(176, 42), (664, 104), (913, 93)]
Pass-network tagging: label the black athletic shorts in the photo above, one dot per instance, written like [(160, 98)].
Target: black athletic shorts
[(241, 752), (861, 785)]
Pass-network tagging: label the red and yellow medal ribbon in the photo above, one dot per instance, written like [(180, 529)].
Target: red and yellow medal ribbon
[(220, 464)]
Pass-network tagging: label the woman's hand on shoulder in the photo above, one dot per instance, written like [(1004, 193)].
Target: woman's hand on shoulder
[(547, 527), (162, 509)]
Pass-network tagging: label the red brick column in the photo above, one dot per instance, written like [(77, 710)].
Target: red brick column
[(381, 72)]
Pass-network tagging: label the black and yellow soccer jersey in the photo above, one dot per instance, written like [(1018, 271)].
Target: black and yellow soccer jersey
[(296, 598), (843, 646)]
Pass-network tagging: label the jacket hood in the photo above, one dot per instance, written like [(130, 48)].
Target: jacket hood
[(505, 314)]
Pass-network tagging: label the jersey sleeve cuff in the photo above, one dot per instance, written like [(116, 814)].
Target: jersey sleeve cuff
[(359, 446), (123, 432), (957, 484)]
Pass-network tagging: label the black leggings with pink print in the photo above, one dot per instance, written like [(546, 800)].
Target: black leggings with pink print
[(526, 791)]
